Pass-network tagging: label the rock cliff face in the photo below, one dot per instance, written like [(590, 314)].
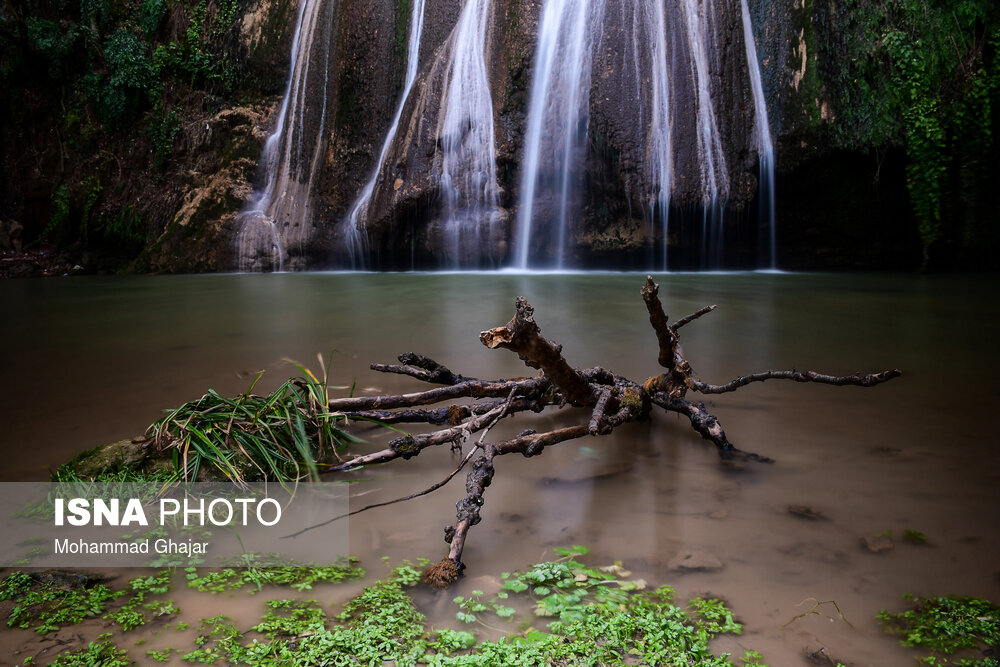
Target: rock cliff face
[(406, 223), (662, 157)]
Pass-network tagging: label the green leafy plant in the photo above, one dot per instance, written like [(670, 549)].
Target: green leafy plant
[(159, 656), (298, 577), (137, 611), (48, 606), (945, 626), (96, 654), (608, 620)]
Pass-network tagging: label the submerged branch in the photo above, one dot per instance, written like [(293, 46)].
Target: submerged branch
[(603, 401)]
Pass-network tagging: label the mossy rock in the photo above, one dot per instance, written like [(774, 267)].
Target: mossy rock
[(126, 460)]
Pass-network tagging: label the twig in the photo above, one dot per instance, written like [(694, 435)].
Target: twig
[(812, 610), (691, 318), (708, 426), (452, 414), (598, 424), (423, 368), (430, 489)]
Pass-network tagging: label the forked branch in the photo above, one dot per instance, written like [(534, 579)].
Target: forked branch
[(603, 401)]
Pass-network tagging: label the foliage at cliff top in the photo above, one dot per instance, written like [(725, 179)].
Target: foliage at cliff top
[(926, 76), (99, 75)]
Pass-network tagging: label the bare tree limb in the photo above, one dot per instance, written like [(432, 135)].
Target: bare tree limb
[(469, 389), (409, 446), (708, 426), (598, 421), (607, 401), (500, 414), (665, 336), (452, 414), (869, 380), (691, 318), (522, 336), (423, 368), (430, 489)]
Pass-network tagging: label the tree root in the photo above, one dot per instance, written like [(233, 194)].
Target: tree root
[(608, 402)]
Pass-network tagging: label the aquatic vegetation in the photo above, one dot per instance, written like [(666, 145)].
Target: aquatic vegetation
[(48, 606), (103, 653), (299, 577), (284, 436), (593, 615), (948, 625), (597, 616), (134, 612), (159, 656)]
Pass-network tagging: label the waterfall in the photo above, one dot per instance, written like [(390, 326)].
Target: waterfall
[(660, 149), (673, 47), (275, 226), (355, 237), (762, 137), (714, 181), (467, 144), (557, 125)]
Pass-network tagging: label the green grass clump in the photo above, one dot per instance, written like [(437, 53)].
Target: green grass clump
[(947, 625), (284, 436)]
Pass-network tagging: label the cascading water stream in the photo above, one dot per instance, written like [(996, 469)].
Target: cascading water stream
[(468, 178), (714, 181), (354, 236), (660, 149), (277, 219), (762, 137), (557, 121)]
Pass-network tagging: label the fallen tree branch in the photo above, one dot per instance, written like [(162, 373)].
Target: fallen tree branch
[(604, 401)]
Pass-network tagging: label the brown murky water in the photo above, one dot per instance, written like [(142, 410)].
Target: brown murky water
[(91, 360)]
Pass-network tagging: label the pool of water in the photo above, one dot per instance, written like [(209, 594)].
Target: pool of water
[(90, 360)]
